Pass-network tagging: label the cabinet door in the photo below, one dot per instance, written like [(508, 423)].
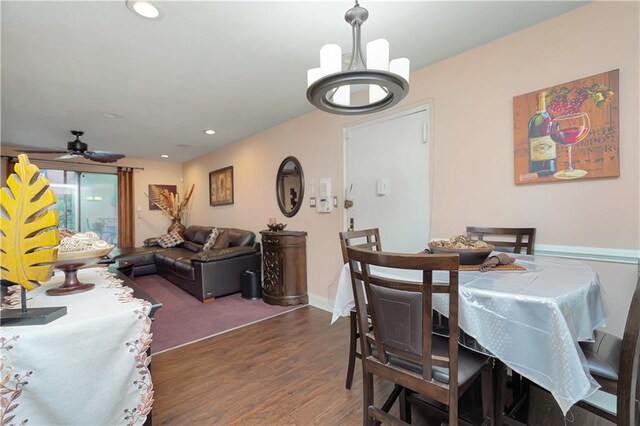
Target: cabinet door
[(272, 260)]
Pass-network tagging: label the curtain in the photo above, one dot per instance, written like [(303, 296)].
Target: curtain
[(126, 218)]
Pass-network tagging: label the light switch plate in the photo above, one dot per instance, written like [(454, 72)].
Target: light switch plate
[(335, 201), (312, 202)]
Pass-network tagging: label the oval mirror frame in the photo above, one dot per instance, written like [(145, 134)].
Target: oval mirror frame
[(280, 195)]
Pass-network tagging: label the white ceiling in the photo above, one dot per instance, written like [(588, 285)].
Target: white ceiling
[(236, 67)]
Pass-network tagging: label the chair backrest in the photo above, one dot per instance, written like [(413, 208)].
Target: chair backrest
[(628, 364), (366, 238), (401, 311), (524, 238)]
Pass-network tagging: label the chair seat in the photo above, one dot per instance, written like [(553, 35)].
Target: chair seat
[(469, 362), (603, 355)]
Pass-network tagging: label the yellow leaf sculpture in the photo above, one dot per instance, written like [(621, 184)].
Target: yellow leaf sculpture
[(27, 226)]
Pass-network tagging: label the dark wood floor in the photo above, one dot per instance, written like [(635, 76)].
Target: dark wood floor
[(286, 370)]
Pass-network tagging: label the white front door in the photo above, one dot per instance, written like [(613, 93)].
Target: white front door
[(387, 178)]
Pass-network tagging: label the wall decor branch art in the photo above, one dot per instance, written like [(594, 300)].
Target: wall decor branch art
[(568, 132), (171, 204), (221, 187), (156, 190)]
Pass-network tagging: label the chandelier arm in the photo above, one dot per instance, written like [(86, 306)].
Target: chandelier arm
[(359, 45), (353, 48)]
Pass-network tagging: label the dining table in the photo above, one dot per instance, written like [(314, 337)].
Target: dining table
[(530, 319)]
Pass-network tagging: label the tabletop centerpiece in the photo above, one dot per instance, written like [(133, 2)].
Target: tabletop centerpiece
[(274, 226), (470, 252), (77, 250)]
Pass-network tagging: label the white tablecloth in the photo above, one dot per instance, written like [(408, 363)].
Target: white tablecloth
[(88, 367), (531, 320)]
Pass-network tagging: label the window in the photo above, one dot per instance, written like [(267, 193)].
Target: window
[(86, 201)]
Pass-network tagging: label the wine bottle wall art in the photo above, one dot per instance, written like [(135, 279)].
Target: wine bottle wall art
[(568, 132)]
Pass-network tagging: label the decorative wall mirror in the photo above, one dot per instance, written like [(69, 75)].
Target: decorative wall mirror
[(290, 186)]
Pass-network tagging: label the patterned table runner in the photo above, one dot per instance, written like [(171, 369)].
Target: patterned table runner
[(87, 367)]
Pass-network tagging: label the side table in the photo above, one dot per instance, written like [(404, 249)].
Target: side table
[(284, 256)]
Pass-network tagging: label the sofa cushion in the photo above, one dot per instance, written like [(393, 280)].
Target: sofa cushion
[(223, 239), (183, 268), (222, 254), (240, 237), (171, 239), (197, 234), (136, 255), (211, 240), (168, 257), (191, 246)]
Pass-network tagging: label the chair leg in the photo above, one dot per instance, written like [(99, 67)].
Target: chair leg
[(499, 378), (487, 395), (405, 407), (367, 397), (353, 337)]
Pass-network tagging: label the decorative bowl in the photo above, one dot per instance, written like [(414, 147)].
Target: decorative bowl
[(468, 256), (277, 226), (69, 262), (85, 254)]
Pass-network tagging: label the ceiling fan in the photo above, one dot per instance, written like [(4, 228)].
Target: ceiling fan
[(77, 148)]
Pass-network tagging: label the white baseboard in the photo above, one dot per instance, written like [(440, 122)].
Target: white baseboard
[(320, 302), (598, 254)]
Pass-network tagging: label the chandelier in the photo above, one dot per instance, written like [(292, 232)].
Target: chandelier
[(329, 87)]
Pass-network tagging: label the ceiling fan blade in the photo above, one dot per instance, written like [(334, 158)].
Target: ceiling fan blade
[(37, 151), (67, 156), (103, 156)]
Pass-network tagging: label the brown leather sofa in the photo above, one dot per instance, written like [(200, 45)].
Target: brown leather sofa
[(204, 274)]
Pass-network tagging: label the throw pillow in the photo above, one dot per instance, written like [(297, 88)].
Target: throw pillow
[(211, 240), (222, 241), (171, 239)]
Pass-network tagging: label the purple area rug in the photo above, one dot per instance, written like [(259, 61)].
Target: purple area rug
[(184, 319)]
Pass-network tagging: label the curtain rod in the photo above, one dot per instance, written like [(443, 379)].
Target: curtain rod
[(11, 157)]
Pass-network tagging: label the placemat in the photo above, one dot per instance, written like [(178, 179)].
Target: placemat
[(495, 268)]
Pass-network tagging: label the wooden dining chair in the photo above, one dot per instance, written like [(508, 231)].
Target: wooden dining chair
[(524, 238), (511, 240), (369, 239), (401, 348), (613, 362)]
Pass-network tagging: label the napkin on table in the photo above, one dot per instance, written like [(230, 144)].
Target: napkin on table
[(498, 259)]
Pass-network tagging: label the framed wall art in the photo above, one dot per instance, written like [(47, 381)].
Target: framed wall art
[(568, 132), (156, 190), (221, 187)]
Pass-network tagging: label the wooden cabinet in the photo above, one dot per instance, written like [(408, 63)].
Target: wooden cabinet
[(284, 258)]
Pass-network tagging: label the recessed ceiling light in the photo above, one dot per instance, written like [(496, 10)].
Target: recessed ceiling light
[(164, 156), (111, 115), (210, 132), (144, 8)]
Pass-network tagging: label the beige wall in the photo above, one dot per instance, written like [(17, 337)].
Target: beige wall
[(473, 146), (148, 223)]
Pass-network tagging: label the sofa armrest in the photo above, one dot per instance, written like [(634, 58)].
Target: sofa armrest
[(151, 242), (221, 254)]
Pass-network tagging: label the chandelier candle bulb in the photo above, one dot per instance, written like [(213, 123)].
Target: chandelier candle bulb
[(312, 75), (401, 67), (377, 59), (330, 59)]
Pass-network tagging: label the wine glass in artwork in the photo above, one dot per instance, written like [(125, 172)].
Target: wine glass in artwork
[(569, 130)]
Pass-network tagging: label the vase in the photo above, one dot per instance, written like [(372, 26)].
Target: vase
[(176, 225)]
